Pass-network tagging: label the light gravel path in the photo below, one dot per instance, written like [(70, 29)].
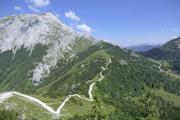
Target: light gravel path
[(6, 95)]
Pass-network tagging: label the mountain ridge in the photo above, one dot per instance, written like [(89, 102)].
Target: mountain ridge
[(134, 87), (142, 47), (44, 29), (169, 52)]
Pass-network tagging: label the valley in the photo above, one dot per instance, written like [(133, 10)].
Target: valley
[(56, 114), (65, 75)]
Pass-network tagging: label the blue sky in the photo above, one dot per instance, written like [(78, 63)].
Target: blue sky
[(123, 22)]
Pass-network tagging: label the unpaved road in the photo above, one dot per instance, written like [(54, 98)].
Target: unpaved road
[(6, 95)]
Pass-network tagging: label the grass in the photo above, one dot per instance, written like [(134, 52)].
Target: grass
[(76, 69), (79, 69), (100, 54), (76, 106), (162, 93), (34, 111), (73, 107), (53, 102), (30, 110), (168, 96)]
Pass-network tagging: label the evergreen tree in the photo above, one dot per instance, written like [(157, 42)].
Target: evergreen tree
[(97, 112), (8, 115), (151, 112)]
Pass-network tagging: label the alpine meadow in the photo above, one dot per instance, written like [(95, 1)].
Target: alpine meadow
[(55, 66)]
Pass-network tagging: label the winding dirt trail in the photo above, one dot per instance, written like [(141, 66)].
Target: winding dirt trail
[(160, 67), (6, 95)]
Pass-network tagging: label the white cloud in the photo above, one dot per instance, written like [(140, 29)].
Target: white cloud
[(84, 28), (174, 37), (76, 23), (71, 15), (18, 8), (33, 9), (39, 3)]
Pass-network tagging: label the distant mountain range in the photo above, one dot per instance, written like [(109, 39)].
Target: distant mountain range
[(169, 52), (142, 48), (81, 77)]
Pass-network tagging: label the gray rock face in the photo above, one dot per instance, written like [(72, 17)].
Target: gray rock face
[(28, 30)]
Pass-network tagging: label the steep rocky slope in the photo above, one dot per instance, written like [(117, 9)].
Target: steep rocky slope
[(43, 58), (31, 46)]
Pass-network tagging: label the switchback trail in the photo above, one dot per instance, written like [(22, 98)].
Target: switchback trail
[(4, 96)]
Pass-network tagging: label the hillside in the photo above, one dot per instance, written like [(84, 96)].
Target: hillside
[(142, 48), (169, 52), (37, 44), (81, 79), (130, 88)]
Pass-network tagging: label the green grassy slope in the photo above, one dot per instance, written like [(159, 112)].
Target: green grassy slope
[(133, 88), (169, 52), (75, 74), (15, 69), (126, 88)]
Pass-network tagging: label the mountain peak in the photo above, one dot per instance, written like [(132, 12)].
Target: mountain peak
[(29, 30), (172, 45)]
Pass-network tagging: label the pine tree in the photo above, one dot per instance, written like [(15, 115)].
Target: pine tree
[(8, 115), (97, 111), (151, 112)]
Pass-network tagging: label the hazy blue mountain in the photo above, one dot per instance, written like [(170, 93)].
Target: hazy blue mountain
[(46, 59), (169, 52), (142, 48)]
